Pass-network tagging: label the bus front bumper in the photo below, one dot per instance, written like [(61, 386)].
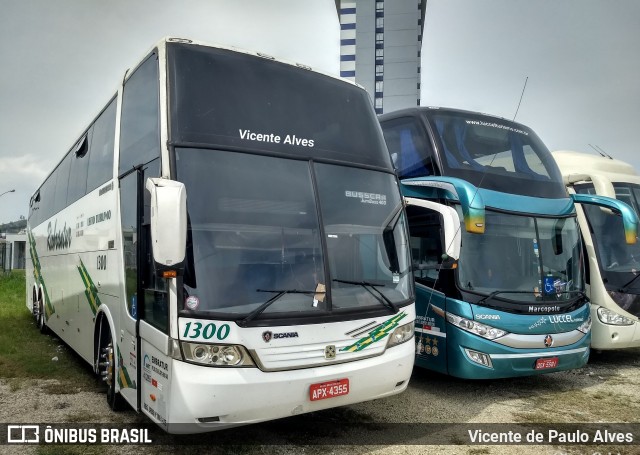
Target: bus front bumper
[(506, 361), (206, 399)]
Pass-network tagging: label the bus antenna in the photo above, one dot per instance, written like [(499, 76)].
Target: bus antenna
[(597, 151), (521, 95), (600, 148)]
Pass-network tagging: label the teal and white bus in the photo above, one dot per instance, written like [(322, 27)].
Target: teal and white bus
[(226, 243), (613, 266), (495, 242)]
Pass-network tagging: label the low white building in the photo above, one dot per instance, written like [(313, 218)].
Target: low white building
[(13, 251)]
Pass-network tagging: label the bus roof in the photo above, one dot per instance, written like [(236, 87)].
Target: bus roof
[(435, 109), (172, 39), (578, 166)]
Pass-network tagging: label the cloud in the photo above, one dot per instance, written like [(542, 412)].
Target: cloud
[(23, 168), (23, 174)]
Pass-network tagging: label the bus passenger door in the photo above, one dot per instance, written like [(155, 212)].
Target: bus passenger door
[(145, 319), (433, 230), (127, 339)]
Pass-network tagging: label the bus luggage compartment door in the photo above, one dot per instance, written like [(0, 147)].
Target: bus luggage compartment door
[(430, 330)]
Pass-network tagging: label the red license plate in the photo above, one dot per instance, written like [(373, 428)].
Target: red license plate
[(330, 389), (543, 364)]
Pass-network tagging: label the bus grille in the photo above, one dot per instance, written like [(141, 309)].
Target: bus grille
[(312, 355)]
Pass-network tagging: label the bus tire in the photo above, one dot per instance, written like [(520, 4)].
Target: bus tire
[(34, 305), (107, 372), (40, 317)]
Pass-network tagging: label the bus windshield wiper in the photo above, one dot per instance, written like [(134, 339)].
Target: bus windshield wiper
[(380, 297), (628, 284), (265, 305)]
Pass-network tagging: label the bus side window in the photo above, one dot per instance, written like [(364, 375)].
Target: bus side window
[(140, 144), (101, 148), (62, 183), (47, 196), (410, 149), (79, 168), (34, 210), (426, 240), (140, 124)]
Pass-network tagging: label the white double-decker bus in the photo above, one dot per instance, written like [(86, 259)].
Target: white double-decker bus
[(225, 243), (613, 282)]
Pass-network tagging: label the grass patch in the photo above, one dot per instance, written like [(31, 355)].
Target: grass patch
[(61, 388), (27, 354)]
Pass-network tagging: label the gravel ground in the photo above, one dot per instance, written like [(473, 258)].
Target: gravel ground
[(607, 390)]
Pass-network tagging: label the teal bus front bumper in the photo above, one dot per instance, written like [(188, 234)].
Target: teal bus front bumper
[(507, 361)]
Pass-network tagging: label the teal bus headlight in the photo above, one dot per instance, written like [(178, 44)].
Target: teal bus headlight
[(483, 330), (585, 327)]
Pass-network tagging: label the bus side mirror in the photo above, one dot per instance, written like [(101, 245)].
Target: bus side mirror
[(629, 217), (448, 263), (168, 224)]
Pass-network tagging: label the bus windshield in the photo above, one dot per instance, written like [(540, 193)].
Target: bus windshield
[(618, 261), (264, 228), (495, 153), (530, 259)]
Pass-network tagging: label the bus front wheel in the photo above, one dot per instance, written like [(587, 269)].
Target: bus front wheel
[(107, 371)]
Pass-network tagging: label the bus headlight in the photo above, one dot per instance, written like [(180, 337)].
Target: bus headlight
[(607, 316), (217, 355), (401, 334), (585, 326), (483, 330)]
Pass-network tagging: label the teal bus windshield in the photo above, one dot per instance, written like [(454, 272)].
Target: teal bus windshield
[(531, 259)]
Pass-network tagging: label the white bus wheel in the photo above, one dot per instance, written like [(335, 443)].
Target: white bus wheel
[(107, 371), (34, 306), (42, 323)]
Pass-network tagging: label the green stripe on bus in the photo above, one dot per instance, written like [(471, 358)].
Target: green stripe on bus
[(90, 291), (377, 334), (49, 309), (124, 380)]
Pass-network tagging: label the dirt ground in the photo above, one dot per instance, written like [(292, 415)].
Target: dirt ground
[(606, 390)]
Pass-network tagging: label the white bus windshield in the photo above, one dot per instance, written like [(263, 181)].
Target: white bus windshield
[(255, 234), (619, 262), (530, 259), (294, 210)]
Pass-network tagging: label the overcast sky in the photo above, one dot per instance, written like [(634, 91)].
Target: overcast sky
[(61, 60), (582, 58)]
